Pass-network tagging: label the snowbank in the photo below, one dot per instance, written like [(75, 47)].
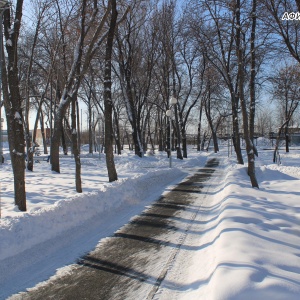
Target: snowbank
[(249, 246), (20, 233)]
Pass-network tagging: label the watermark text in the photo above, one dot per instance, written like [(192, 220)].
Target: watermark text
[(291, 16)]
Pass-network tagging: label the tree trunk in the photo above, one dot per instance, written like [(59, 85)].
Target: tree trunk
[(63, 141), (43, 133), (117, 132), (108, 105), (215, 141), (278, 140), (168, 138), (14, 104), (29, 148), (198, 137), (253, 76), (252, 73), (199, 127), (90, 127), (235, 129), (76, 149), (151, 140), (55, 142), (287, 137), (78, 127), (184, 143), (126, 85), (128, 140), (208, 142), (178, 132), (160, 133), (203, 141), (241, 81), (207, 107)]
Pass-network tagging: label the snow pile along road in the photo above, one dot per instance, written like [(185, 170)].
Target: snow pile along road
[(20, 233), (248, 246)]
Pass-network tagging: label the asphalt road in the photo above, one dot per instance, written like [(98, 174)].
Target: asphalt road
[(133, 262)]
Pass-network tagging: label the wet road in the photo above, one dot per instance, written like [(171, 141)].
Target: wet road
[(134, 261)]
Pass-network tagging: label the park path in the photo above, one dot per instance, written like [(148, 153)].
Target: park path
[(133, 262)]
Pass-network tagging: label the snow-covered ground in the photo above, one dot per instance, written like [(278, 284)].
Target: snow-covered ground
[(249, 246)]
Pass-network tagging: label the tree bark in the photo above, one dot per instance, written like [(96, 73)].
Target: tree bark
[(76, 149), (43, 133), (117, 132), (252, 73), (213, 127), (160, 132), (108, 105), (63, 141), (241, 82), (235, 129), (14, 108), (78, 127), (253, 76), (90, 127), (287, 137), (199, 127), (179, 133)]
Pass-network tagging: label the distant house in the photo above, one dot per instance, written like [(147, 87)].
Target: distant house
[(294, 133)]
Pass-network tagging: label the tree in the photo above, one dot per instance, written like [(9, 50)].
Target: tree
[(223, 35), (189, 66), (135, 63), (285, 30), (286, 93), (13, 102), (168, 75), (213, 102), (108, 105), (83, 55), (215, 35), (264, 121), (29, 145), (75, 146), (241, 86)]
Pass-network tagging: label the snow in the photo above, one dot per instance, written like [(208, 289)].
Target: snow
[(9, 43), (17, 115), (248, 246), (17, 153)]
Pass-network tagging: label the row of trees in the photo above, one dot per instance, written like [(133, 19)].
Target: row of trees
[(126, 59)]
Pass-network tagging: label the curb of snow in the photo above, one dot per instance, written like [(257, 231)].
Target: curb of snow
[(21, 233)]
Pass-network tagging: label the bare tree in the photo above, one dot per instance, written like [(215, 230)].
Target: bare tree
[(112, 174), (286, 93), (283, 30), (215, 35), (81, 60), (135, 60), (13, 102), (213, 102), (29, 145), (241, 86)]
